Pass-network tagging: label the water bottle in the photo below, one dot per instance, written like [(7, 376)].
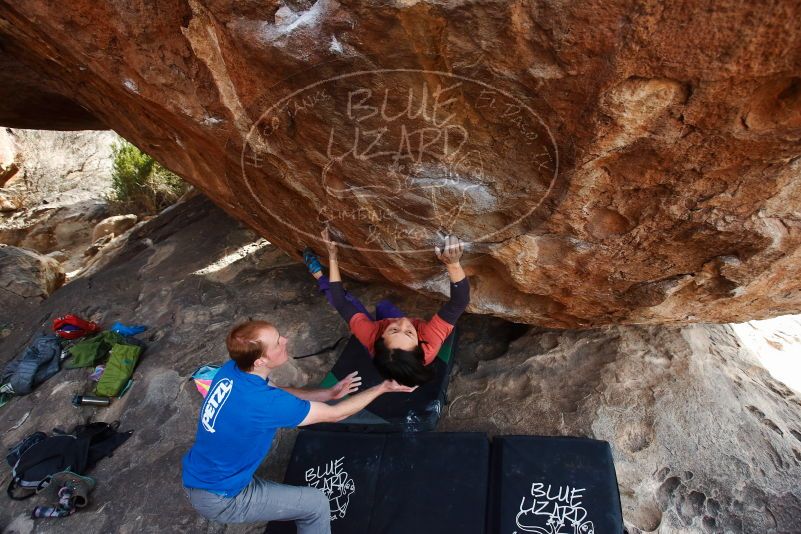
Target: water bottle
[(90, 400)]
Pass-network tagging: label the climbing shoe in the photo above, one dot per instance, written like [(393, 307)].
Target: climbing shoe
[(311, 261)]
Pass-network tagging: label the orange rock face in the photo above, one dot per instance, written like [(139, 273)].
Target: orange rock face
[(608, 162)]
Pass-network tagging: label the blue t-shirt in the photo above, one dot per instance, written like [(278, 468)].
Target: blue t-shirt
[(238, 421)]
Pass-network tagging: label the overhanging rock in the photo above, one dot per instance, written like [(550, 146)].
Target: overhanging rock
[(608, 162)]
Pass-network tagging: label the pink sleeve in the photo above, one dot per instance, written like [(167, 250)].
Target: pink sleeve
[(365, 330)]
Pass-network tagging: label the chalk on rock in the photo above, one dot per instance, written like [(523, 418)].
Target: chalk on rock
[(285, 16)]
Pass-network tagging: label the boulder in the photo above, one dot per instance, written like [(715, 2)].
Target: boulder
[(7, 173), (9, 202), (10, 157), (704, 440), (609, 163), (28, 275), (61, 167), (65, 191), (58, 255), (64, 228), (114, 226)]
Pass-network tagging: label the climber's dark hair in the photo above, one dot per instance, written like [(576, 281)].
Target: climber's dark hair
[(403, 366)]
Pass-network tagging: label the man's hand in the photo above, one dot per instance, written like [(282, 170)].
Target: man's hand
[(320, 412), (329, 244), (346, 386), (452, 251), (390, 386)]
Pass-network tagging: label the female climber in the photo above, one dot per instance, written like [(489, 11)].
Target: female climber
[(402, 348)]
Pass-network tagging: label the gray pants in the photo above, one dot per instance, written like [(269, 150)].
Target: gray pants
[(263, 501)]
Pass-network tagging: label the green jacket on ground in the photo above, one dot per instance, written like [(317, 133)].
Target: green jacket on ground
[(93, 350)]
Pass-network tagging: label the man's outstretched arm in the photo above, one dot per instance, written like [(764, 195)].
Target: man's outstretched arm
[(348, 385), (321, 412)]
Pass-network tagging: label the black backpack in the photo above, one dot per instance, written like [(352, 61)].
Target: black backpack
[(78, 452), (16, 451)]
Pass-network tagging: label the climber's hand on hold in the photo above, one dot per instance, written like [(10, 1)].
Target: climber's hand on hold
[(451, 251), (450, 254)]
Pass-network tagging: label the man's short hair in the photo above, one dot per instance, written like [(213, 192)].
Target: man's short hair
[(244, 346)]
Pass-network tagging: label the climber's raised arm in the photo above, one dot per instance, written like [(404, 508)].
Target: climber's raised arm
[(450, 255), (344, 306)]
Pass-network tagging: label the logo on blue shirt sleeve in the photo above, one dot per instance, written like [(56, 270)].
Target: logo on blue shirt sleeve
[(214, 402)]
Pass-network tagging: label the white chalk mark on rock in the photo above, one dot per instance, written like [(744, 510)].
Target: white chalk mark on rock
[(130, 85), (336, 46)]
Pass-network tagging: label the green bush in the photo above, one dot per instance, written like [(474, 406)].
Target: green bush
[(139, 183)]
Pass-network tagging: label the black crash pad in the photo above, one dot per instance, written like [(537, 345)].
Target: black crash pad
[(392, 412), (553, 485), (394, 483)]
